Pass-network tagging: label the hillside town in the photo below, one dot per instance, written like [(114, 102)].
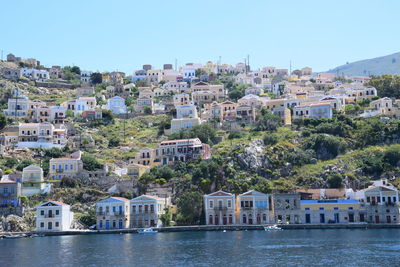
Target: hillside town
[(201, 143)]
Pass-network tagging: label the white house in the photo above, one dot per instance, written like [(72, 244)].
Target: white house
[(85, 76), (116, 104), (112, 213), (53, 216), (145, 211), (254, 208), (220, 208)]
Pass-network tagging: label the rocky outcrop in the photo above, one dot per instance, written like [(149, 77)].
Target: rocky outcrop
[(14, 223), (253, 157)]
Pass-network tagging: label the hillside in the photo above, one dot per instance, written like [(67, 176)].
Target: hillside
[(389, 64)]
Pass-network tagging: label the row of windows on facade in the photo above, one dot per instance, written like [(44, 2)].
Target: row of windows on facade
[(335, 208), (49, 225), (220, 204), (7, 190), (50, 212), (378, 199), (34, 132), (249, 204), (61, 168), (140, 208)]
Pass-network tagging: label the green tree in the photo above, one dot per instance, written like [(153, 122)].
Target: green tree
[(147, 110), (335, 181), (190, 207), (10, 162), (90, 163), (96, 78), (67, 182), (267, 121), (3, 121), (166, 218), (114, 142)]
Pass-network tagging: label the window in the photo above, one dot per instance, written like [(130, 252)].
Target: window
[(57, 212), (211, 204), (229, 203), (350, 208), (57, 224), (321, 208), (335, 208), (42, 212), (133, 209), (42, 225), (306, 208)]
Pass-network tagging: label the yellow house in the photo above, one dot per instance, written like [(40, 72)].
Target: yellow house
[(136, 170), (332, 211), (66, 167)]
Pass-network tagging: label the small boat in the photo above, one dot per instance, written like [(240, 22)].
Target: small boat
[(272, 228), (147, 231)]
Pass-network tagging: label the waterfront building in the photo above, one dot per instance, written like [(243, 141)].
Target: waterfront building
[(53, 216), (220, 208), (145, 211), (286, 207), (381, 202), (332, 211), (112, 213), (254, 208)]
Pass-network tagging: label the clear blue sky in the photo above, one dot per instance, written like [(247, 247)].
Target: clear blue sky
[(123, 35)]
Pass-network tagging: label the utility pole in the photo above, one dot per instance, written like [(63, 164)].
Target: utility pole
[(290, 68), (126, 115), (248, 61), (16, 103), (176, 64)]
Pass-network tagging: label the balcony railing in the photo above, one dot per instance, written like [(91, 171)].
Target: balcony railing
[(59, 170), (49, 215), (220, 208)]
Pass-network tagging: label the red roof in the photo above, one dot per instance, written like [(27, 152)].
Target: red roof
[(120, 198), (7, 181)]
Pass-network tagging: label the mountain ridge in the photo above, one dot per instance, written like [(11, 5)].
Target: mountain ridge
[(389, 64)]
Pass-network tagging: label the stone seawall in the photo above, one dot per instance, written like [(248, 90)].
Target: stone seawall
[(199, 228)]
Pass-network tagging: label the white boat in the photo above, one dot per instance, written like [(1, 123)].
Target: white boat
[(147, 231), (272, 228)]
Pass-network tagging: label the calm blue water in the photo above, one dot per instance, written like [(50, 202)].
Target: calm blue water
[(380, 247)]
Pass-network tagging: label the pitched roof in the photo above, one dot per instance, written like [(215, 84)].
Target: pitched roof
[(253, 193), (7, 182), (146, 196), (220, 193), (57, 203)]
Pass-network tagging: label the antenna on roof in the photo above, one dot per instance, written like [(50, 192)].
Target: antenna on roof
[(290, 68), (248, 62)]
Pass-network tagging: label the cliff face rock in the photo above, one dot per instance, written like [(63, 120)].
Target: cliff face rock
[(254, 157), (14, 223)]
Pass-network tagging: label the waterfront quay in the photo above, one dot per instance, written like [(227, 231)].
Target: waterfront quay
[(202, 228)]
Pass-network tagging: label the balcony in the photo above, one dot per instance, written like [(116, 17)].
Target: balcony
[(59, 170), (221, 208), (49, 215)]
